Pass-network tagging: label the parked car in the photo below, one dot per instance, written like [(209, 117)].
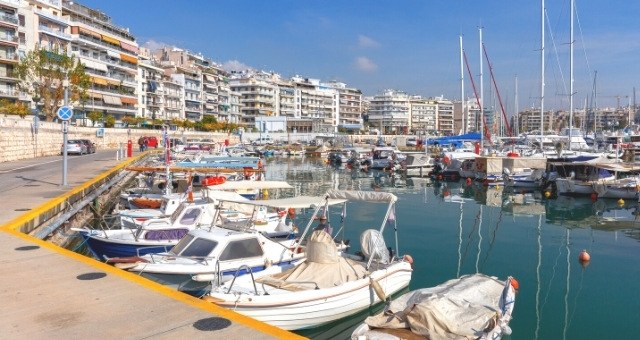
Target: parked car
[(412, 141), (152, 142), (74, 146), (91, 146), (266, 140)]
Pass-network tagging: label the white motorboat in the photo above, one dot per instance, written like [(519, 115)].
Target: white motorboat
[(328, 285)]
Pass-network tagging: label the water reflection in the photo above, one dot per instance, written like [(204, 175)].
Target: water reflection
[(452, 229)]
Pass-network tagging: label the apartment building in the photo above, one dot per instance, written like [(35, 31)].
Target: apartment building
[(445, 116), (389, 112), (110, 56), (349, 108), (257, 91), (10, 30), (423, 115)]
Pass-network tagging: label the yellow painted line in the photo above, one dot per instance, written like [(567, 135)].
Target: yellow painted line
[(10, 228)]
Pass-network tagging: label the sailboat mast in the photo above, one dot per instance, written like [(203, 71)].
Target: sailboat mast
[(480, 98), (571, 76), (542, 11), (517, 109), (462, 99)]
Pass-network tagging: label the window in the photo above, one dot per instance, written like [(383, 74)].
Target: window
[(200, 247), (241, 249), (190, 216)]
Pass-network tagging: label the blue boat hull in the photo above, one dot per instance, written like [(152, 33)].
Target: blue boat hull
[(103, 249)]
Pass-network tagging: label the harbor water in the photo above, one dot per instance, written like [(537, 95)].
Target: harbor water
[(453, 229)]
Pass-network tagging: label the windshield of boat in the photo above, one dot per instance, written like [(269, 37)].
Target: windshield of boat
[(241, 249), (191, 246), (177, 213)]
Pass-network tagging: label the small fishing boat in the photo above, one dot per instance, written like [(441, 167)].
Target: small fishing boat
[(470, 307), (328, 285)]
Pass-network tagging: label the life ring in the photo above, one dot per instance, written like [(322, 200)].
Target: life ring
[(214, 180), (446, 160)]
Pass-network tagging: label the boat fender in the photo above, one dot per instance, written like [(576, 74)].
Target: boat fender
[(267, 263), (408, 259), (378, 289)]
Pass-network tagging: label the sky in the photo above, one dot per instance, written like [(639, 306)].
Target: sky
[(410, 45)]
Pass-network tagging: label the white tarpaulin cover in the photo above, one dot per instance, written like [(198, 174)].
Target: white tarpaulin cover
[(457, 309), (247, 185), (367, 196), (298, 202), (323, 267)]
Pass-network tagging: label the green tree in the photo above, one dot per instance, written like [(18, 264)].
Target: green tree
[(9, 107), (42, 72), (109, 121), (95, 116)]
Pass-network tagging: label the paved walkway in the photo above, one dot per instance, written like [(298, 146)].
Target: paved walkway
[(50, 292)]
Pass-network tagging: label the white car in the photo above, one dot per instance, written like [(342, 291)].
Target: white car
[(263, 141), (75, 146)]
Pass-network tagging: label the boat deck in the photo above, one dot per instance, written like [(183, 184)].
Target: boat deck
[(51, 292)]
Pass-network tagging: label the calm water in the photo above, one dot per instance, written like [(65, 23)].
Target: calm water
[(453, 229)]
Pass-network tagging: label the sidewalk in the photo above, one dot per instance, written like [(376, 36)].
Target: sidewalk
[(50, 292)]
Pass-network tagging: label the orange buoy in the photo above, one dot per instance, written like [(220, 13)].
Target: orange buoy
[(514, 283), (584, 256), (468, 180), (621, 202), (594, 196), (292, 213), (547, 194), (408, 258)]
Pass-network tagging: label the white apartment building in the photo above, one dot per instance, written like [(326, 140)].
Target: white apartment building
[(110, 56), (257, 95), (445, 116), (424, 117), (349, 108), (390, 112), (12, 34)]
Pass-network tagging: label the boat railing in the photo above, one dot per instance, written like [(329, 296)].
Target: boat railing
[(237, 273)]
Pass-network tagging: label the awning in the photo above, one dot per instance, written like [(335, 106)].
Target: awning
[(90, 32), (113, 54), (209, 77), (128, 58), (110, 40), (93, 64), (111, 100), (95, 95), (128, 47), (126, 100), (99, 81)]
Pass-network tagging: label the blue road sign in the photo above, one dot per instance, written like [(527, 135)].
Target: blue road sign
[(65, 113)]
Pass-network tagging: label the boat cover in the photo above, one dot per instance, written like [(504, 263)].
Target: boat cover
[(362, 196), (297, 202), (323, 267), (248, 185), (457, 309)]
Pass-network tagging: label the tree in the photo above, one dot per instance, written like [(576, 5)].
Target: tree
[(13, 108), (94, 116), (41, 74), (109, 121)]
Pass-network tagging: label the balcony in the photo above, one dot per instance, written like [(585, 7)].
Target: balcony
[(9, 39), (8, 18), (8, 57), (55, 33), (11, 93)]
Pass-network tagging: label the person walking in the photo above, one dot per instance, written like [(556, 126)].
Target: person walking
[(141, 144)]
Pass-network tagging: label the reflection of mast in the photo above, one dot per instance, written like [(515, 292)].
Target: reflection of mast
[(566, 296), (479, 240), (460, 240), (538, 277)]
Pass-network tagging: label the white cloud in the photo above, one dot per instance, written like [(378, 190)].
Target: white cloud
[(153, 45), (365, 64), (367, 42), (235, 65)]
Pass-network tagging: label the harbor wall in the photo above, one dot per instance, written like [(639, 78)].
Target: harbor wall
[(19, 139)]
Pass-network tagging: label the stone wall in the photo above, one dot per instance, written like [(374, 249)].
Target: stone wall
[(18, 140)]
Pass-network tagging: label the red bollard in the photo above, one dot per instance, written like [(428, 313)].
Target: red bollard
[(129, 148)]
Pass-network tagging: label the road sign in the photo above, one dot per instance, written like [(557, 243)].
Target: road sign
[(65, 113)]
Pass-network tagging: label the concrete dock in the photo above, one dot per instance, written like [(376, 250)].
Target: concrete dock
[(50, 292)]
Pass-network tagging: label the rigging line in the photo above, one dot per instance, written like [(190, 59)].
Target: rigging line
[(538, 277), (584, 50), (555, 48)]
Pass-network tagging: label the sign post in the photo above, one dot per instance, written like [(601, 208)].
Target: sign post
[(64, 113)]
